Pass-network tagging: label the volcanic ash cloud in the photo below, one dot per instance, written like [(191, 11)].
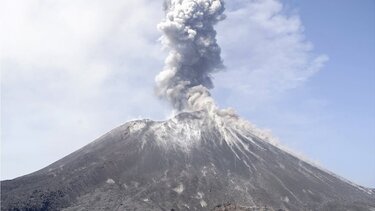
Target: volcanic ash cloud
[(189, 35)]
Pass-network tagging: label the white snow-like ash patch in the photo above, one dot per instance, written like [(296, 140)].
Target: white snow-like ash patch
[(213, 167), (204, 171), (136, 126), (286, 199), (110, 181), (203, 203), (368, 191), (173, 134), (307, 191), (185, 133), (179, 189), (200, 195)]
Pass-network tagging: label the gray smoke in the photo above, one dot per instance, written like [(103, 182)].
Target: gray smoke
[(189, 35)]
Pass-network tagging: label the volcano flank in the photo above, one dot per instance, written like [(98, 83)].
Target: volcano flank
[(194, 161)]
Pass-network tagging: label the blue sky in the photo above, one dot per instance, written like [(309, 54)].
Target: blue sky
[(345, 30), (330, 118), (74, 70), (339, 101)]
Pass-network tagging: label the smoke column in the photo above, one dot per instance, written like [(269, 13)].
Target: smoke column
[(189, 35)]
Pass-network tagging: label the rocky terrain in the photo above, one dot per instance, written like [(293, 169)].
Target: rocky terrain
[(193, 161)]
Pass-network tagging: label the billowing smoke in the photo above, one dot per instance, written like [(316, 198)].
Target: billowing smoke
[(189, 35)]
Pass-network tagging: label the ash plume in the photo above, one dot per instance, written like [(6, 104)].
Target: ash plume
[(189, 35)]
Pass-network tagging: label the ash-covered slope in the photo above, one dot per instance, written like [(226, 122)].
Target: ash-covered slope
[(194, 161)]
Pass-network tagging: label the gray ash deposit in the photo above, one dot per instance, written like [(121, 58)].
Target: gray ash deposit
[(194, 161)]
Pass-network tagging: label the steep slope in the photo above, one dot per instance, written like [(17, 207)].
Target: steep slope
[(194, 161)]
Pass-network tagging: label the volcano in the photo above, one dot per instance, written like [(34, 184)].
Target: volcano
[(193, 161)]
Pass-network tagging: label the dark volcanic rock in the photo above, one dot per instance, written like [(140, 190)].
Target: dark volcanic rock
[(194, 161)]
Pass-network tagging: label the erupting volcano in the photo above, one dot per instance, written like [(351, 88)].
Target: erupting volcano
[(204, 158)]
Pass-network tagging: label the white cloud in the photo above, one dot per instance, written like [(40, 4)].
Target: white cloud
[(72, 70), (265, 51)]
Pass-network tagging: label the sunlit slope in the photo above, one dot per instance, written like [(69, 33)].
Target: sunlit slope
[(194, 161)]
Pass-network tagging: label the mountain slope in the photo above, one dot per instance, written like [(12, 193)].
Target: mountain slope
[(194, 161)]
